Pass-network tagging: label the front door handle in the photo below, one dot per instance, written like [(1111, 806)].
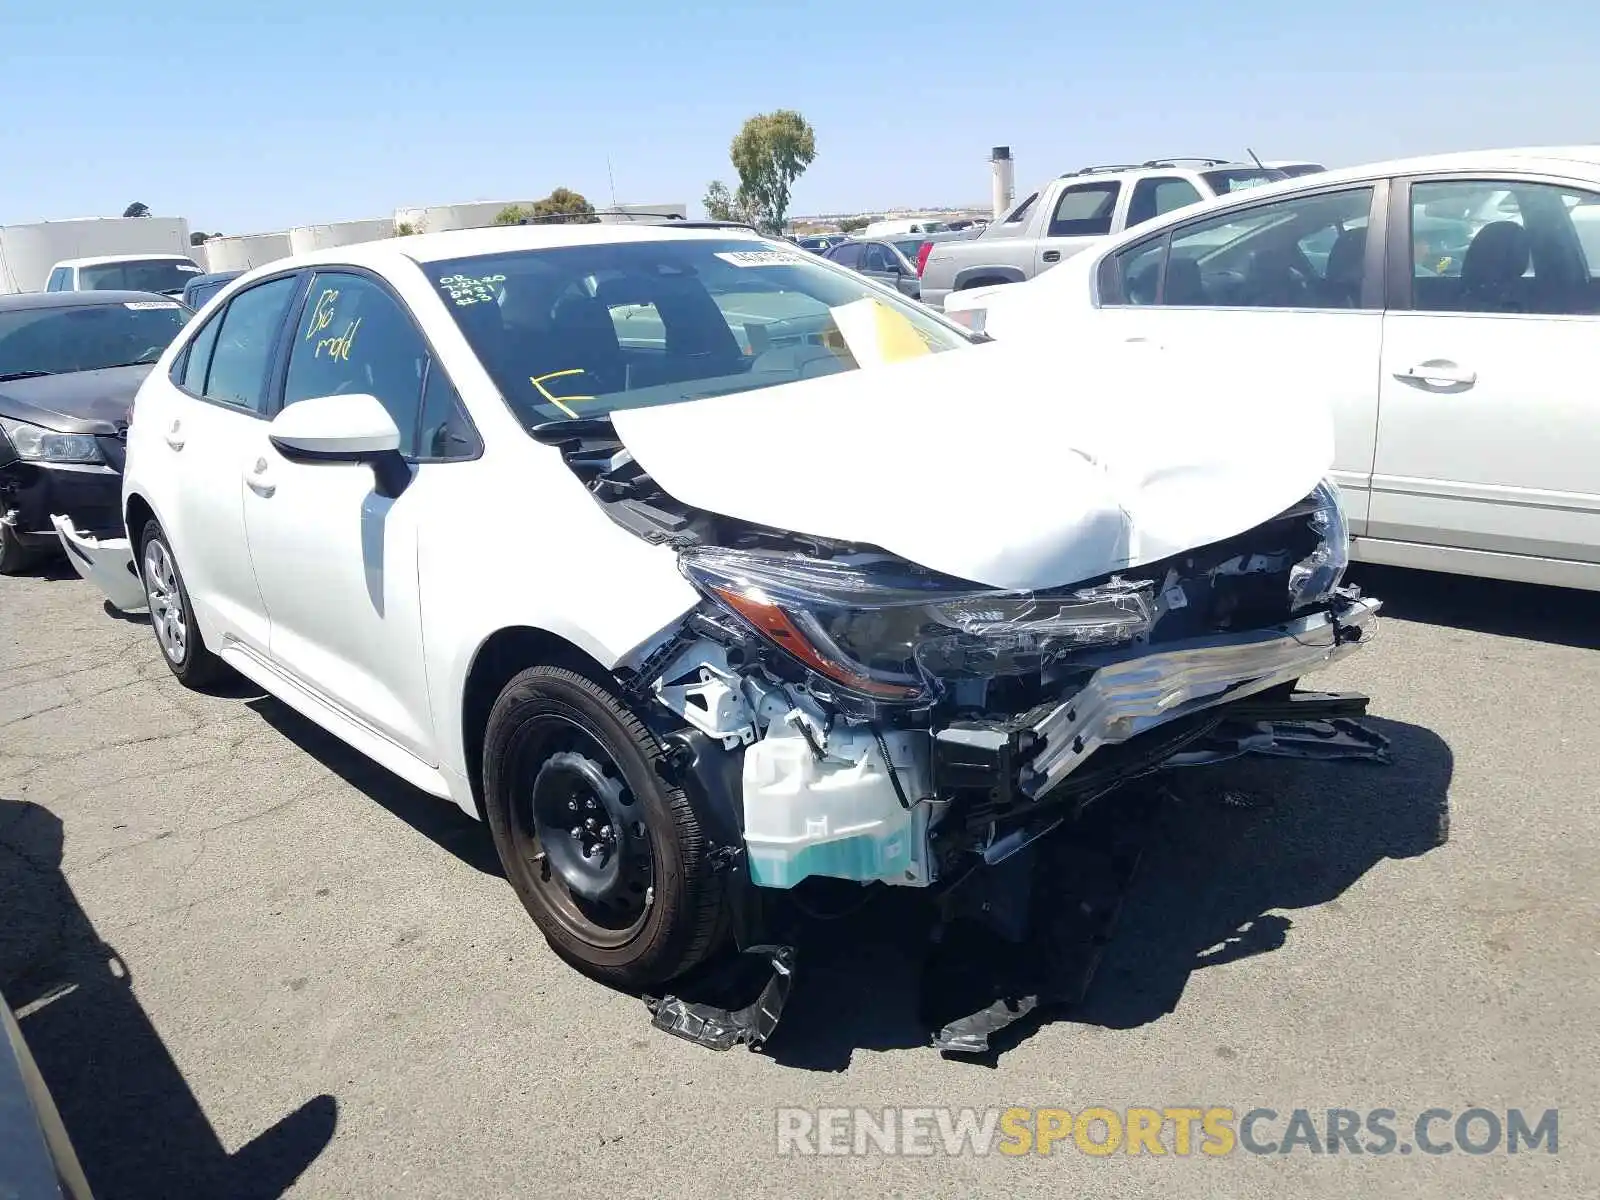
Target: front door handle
[(256, 479), (174, 436), (1051, 256), (1438, 372)]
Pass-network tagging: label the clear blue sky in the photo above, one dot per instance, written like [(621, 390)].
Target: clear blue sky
[(245, 116)]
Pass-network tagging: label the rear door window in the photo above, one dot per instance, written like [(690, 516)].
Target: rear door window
[(1504, 246), (1085, 210), (246, 338), (1158, 194)]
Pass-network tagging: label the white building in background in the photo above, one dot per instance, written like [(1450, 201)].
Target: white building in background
[(27, 252), (246, 251), (305, 238)]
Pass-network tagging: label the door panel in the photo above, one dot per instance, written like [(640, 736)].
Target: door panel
[(1489, 434), (1284, 293), (336, 562), (1496, 445), (207, 432)]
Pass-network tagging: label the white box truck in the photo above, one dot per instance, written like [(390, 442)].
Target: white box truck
[(27, 252)]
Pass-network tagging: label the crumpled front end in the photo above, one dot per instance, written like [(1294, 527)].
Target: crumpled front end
[(888, 723)]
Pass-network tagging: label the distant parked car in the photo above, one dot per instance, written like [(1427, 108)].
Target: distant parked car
[(1071, 212), (896, 261), (201, 288), (70, 364), (819, 242), (1447, 307), (900, 226), (166, 274), (879, 259)]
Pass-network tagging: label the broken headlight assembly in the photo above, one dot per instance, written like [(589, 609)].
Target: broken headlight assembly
[(1314, 578), (887, 630)]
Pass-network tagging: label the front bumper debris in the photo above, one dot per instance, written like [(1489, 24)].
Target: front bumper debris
[(105, 562), (1128, 697)]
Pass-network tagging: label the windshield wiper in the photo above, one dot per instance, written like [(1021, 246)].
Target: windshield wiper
[(138, 362), (10, 375)]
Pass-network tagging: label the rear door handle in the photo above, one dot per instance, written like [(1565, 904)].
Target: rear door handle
[(174, 437), (256, 479), (1437, 372), (1051, 256)]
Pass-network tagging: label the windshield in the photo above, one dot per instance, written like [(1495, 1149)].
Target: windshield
[(138, 275), (910, 247), (86, 337), (580, 331), (1237, 179)]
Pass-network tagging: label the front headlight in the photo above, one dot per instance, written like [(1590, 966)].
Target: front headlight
[(34, 443), (1314, 578), (888, 629)]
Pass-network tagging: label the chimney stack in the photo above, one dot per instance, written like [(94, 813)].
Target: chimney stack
[(1004, 171)]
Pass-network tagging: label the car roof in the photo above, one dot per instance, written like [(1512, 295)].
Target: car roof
[(102, 259), (423, 248), (25, 300)]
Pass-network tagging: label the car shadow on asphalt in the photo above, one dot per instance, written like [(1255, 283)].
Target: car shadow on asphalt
[(440, 821), (1561, 616), (1231, 848), (135, 1124)]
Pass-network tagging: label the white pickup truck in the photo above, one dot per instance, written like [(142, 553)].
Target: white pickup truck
[(1070, 212)]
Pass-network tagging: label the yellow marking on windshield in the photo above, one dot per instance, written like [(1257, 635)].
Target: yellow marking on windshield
[(538, 382)]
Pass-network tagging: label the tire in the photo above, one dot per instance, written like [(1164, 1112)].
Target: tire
[(15, 558), (171, 615), (559, 747)]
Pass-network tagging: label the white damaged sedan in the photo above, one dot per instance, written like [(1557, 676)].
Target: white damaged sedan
[(695, 564)]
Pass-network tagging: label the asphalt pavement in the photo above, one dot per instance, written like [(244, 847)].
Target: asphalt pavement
[(250, 963)]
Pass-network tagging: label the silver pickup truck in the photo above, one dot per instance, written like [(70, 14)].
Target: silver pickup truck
[(1070, 212)]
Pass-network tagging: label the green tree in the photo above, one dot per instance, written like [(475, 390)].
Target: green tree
[(137, 209), (720, 204), (511, 214), (565, 206), (770, 152), (852, 224)]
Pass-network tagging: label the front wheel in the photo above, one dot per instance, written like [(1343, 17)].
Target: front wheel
[(14, 556), (171, 615), (608, 859)]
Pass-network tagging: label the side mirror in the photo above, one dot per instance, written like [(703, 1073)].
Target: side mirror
[(343, 429)]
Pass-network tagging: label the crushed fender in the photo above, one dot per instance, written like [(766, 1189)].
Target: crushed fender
[(722, 1028)]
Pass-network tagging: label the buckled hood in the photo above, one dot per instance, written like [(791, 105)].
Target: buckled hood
[(1004, 465)]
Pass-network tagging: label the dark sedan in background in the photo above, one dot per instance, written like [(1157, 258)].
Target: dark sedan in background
[(202, 287), (70, 363)]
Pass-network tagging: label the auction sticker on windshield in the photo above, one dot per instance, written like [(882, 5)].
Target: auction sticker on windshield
[(146, 305), (761, 258)]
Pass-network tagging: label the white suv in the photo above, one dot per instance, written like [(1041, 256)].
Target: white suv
[(1448, 309), (654, 547)]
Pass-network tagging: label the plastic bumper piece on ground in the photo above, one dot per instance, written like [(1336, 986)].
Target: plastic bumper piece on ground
[(105, 562)]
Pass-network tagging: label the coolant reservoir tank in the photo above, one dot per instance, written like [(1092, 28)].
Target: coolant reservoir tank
[(840, 815)]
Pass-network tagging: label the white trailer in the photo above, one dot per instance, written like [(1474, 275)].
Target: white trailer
[(27, 252)]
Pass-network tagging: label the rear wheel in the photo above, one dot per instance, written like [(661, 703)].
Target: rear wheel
[(608, 859), (171, 615)]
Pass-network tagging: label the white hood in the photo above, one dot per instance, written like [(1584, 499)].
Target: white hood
[(1003, 465)]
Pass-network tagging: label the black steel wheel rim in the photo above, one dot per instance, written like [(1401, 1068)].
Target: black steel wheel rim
[(581, 832)]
